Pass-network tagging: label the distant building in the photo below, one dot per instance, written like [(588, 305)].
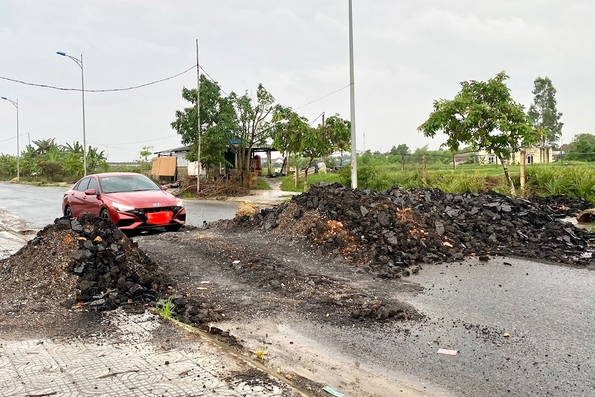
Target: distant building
[(533, 155)]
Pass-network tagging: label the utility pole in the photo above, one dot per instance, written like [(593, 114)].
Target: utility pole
[(352, 96), (198, 168)]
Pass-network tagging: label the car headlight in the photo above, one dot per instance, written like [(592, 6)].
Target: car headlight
[(122, 207), (180, 203)]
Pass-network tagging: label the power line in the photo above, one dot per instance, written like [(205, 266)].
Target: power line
[(143, 141), (327, 95), (213, 80), (312, 122), (99, 90), (309, 103)]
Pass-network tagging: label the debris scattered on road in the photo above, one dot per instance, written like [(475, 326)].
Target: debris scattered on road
[(333, 392), (448, 352)]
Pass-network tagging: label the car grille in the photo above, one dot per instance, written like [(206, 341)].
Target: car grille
[(142, 211)]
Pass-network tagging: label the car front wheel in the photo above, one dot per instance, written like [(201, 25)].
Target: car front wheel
[(68, 212), (104, 214)]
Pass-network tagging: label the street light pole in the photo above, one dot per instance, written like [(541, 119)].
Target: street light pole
[(352, 101), (16, 105), (79, 62)]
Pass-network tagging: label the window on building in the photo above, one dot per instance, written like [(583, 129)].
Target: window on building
[(530, 159), (491, 159)]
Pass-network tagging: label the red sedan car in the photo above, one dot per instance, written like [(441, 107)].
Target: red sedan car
[(129, 200)]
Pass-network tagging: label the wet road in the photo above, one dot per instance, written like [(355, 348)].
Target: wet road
[(39, 206), (520, 329)]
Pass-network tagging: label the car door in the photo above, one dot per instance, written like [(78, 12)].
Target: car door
[(77, 197), (92, 201)]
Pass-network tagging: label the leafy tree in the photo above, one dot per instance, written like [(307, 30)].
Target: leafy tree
[(544, 113), (8, 165), (254, 122), (288, 130), (145, 153), (581, 148), (96, 160), (217, 119), (45, 146), (401, 150), (483, 114), (338, 131)]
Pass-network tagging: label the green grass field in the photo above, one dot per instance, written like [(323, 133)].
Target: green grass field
[(574, 179)]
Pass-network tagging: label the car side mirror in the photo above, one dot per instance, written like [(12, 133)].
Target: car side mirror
[(90, 192), (163, 187)]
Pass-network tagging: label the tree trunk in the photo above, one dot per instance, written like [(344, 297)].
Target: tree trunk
[(523, 161), (508, 178), (424, 177)]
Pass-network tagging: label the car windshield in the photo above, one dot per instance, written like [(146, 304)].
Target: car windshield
[(126, 183)]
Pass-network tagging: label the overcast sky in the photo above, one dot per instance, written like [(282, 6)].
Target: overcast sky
[(407, 54)]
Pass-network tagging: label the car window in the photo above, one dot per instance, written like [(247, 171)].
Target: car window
[(82, 185), (93, 184), (127, 183)]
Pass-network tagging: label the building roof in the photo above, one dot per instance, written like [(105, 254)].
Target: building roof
[(181, 149)]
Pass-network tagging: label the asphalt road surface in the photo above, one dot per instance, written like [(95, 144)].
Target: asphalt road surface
[(519, 328)]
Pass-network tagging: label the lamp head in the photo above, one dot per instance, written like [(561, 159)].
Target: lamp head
[(61, 53), (5, 98)]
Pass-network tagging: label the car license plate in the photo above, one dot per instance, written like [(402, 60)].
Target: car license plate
[(159, 218)]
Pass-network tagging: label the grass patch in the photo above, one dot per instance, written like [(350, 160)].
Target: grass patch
[(261, 184), (288, 182), (165, 308)]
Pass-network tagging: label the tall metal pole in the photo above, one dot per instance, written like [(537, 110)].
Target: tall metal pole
[(352, 96), (79, 62), (198, 168), (18, 148), (84, 132), (16, 105)]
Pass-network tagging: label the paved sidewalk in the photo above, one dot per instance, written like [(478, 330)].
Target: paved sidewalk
[(127, 363)]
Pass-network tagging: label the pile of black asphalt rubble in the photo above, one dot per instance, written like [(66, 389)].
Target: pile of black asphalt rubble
[(391, 232), (397, 229), (87, 263)]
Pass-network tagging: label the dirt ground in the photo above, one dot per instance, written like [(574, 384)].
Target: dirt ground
[(254, 274)]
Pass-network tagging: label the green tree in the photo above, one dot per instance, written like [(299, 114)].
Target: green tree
[(581, 148), (544, 113), (8, 165), (96, 160), (398, 153), (484, 115), (254, 119), (218, 122), (45, 146), (338, 132), (287, 131), (401, 150)]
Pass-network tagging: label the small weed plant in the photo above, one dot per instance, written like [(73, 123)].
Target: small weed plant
[(165, 308), (260, 354)]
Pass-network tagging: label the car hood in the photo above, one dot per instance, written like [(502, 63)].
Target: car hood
[(144, 199)]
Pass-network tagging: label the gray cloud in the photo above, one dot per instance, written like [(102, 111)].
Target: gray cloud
[(407, 54)]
